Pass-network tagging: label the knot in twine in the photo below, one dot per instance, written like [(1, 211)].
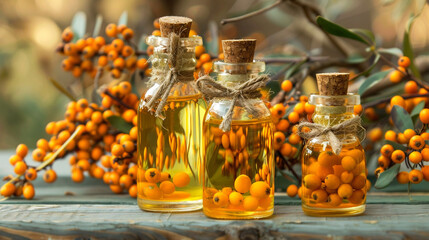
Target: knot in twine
[(243, 93), (168, 77), (349, 126)]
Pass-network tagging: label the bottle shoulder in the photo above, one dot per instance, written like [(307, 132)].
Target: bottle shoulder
[(219, 107)]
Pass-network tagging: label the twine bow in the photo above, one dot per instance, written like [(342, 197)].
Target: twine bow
[(245, 91), (331, 132), (168, 77)]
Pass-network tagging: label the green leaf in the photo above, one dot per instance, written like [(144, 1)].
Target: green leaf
[(396, 145), (387, 176), (406, 45), (401, 118), (120, 124), (78, 25), (212, 45), (364, 32), (123, 19), (369, 69), (392, 51), (338, 30), (417, 109), (356, 59), (371, 81), (294, 69), (97, 26), (142, 45)]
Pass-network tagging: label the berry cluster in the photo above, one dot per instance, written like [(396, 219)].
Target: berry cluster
[(95, 146)]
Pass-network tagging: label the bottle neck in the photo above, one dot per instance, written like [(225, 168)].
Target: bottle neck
[(332, 115), (234, 80)]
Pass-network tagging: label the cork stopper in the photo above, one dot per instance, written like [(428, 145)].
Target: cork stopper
[(238, 50), (179, 25), (332, 84)]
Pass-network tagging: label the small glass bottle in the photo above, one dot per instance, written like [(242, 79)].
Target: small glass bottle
[(239, 170), (170, 161), (334, 184)]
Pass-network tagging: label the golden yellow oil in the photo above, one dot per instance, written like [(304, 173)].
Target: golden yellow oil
[(245, 150), (343, 180), (173, 147)]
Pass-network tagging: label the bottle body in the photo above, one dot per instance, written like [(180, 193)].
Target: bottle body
[(169, 149), (238, 164), (333, 184)]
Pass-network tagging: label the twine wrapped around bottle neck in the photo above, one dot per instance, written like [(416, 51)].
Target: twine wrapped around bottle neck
[(351, 125), (168, 77), (243, 93)]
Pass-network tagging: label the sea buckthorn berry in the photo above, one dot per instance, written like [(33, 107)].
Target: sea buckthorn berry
[(287, 85), (81, 104), (402, 139), (132, 171), (319, 196), (278, 110), (116, 188), (424, 116), (142, 63), (28, 191), (383, 161), (328, 159), (50, 176), (425, 154), (403, 177), (98, 172), (22, 150), (411, 87), (386, 150), (332, 181), (390, 135), (67, 35), (111, 30), (167, 187), (181, 179), (220, 199), (250, 203), (286, 149), (127, 33), (235, 198), (378, 171), (77, 175), (67, 65), (299, 108), (112, 55), (415, 157), (125, 181), (279, 137), (425, 172), (375, 134), (293, 117), (334, 200), (127, 51), (152, 175), (102, 61), (398, 101), (165, 176), (398, 156), (156, 33), (117, 150), (346, 177), (38, 154), (292, 190), (404, 61), (118, 44), (396, 76), (348, 163), (88, 52), (242, 183), (282, 125), (119, 63), (415, 176), (358, 182), (312, 181), (113, 178), (133, 191), (345, 191), (128, 115), (115, 73), (128, 146), (20, 167), (83, 164), (357, 197), (14, 159), (425, 135), (309, 108), (417, 142), (31, 174), (7, 189), (294, 139), (86, 65), (409, 133), (260, 189), (205, 57), (357, 109)]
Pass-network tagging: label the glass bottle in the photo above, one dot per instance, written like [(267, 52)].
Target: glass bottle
[(240, 161), (333, 184), (170, 160)]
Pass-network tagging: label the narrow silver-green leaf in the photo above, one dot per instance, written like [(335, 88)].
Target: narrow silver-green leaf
[(387, 176), (369, 69), (417, 109), (97, 26), (396, 145), (364, 32), (392, 51), (371, 81), (78, 25), (123, 19), (120, 124), (406, 45), (338, 30), (401, 118)]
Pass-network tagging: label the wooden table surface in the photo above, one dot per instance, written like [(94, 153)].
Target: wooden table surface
[(92, 211)]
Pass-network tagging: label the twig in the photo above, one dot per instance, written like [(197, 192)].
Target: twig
[(252, 14), (387, 99), (293, 59), (117, 99), (288, 166)]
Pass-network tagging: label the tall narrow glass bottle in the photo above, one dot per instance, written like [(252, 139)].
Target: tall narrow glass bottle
[(334, 177), (170, 160), (239, 170)]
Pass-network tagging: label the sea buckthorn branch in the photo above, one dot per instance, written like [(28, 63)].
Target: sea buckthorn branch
[(119, 101), (387, 99), (290, 168), (252, 14)]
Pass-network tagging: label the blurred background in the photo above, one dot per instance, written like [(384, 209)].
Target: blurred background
[(30, 31)]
